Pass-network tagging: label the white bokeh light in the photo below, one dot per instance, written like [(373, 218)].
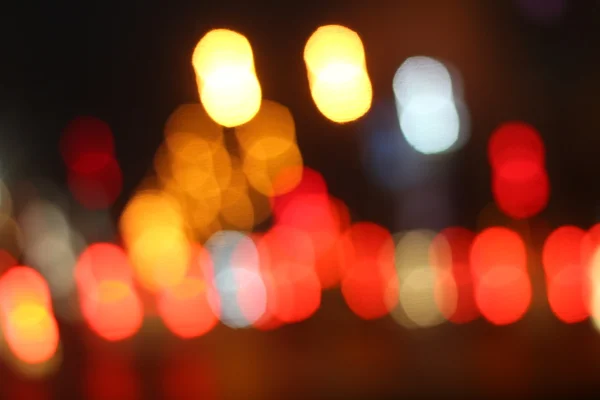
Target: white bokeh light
[(425, 102), (430, 123)]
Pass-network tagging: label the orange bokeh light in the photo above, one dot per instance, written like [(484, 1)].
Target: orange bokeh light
[(499, 267)]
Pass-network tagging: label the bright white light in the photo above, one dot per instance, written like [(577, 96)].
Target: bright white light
[(430, 123), (419, 76), (242, 297), (425, 102)]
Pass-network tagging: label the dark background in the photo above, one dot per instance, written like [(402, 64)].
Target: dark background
[(128, 63)]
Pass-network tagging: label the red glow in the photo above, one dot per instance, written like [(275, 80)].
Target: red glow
[(459, 279), (186, 307), (113, 314), (86, 142), (566, 274), (102, 261), (499, 266), (521, 189), (312, 183), (562, 250), (568, 294), (287, 261), (22, 284), (515, 141), (368, 293), (497, 247), (503, 295), (97, 188), (367, 245), (589, 245), (186, 376)]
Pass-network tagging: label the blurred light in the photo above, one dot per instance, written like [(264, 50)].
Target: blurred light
[(450, 254), (426, 107), (566, 276), (369, 280), (26, 317), (288, 265), (337, 73), (100, 262), (112, 309), (237, 281), (160, 256), (108, 299), (97, 188), (87, 144), (417, 280), (521, 190), (190, 121), (11, 236), (499, 267), (520, 184), (227, 82), (515, 141), (186, 308)]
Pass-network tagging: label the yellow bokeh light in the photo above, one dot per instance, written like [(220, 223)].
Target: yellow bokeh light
[(337, 73), (192, 119), (418, 275), (160, 256), (273, 166), (227, 82), (149, 209), (273, 120)]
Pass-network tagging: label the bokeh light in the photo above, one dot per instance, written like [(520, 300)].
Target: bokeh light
[(26, 316), (426, 105), (567, 277), (499, 267), (367, 259), (227, 82), (337, 73)]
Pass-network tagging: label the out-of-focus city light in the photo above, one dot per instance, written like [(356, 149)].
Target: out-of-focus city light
[(455, 288), (186, 307), (418, 278), (26, 316), (426, 105), (519, 182), (227, 83), (87, 144), (567, 277), (109, 302), (499, 267), (271, 159), (369, 282), (337, 73), (288, 265), (88, 150), (154, 231), (237, 283)]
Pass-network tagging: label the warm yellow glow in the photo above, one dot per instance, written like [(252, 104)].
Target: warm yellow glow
[(272, 121), (337, 73), (227, 82), (160, 256), (273, 166), (149, 209), (192, 120), (418, 277), (31, 332)]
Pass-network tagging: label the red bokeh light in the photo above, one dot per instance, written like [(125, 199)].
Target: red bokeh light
[(97, 187), (87, 142), (515, 141), (566, 275), (456, 271), (499, 266)]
